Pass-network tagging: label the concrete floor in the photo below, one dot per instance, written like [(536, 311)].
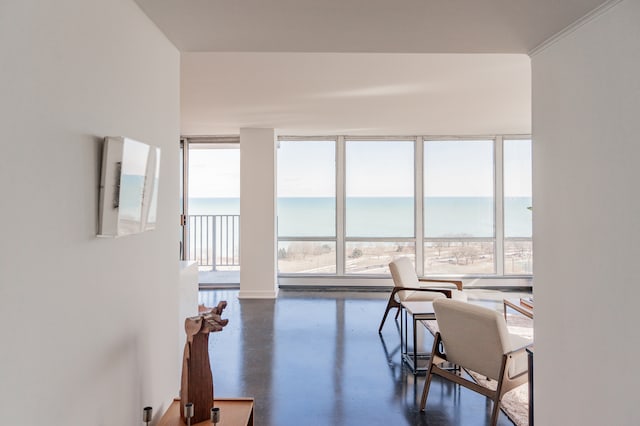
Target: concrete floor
[(316, 358)]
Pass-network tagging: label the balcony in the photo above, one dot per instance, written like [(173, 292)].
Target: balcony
[(214, 243)]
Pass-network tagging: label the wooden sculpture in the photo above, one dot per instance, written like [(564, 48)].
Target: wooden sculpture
[(197, 380)]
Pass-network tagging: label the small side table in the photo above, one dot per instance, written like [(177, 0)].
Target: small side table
[(418, 311), (233, 412)]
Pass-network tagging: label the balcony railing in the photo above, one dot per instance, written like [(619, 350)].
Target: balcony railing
[(214, 240)]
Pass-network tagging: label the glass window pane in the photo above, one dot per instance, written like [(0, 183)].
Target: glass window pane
[(458, 189), (459, 257), (374, 257), (518, 257), (379, 188), (517, 188), (307, 257), (214, 181), (307, 189)]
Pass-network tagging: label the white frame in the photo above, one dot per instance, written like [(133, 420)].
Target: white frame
[(339, 222), (343, 165)]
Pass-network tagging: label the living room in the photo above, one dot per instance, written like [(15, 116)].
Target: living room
[(74, 72)]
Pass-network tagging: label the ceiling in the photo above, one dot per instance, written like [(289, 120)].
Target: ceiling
[(359, 67), (356, 94), (400, 26)]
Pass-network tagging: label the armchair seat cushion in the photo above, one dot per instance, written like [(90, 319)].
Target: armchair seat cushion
[(428, 296), (419, 296), (459, 295)]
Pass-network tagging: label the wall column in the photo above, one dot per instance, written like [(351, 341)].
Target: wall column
[(258, 230), (585, 219)]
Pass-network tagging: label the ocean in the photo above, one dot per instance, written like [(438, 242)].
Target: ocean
[(446, 217)]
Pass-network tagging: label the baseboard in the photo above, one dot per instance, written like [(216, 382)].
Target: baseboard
[(386, 282)]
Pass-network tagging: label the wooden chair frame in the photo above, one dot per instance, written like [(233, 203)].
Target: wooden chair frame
[(394, 303), (505, 383)]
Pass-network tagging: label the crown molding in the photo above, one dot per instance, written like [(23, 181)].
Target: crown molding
[(595, 13)]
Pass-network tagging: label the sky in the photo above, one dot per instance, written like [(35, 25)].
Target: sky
[(214, 173), (458, 168), (373, 168), (379, 169), (307, 169), (517, 168)]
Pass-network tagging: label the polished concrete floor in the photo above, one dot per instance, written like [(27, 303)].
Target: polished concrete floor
[(316, 358)]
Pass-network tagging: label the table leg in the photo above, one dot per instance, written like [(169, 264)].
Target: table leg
[(403, 334)]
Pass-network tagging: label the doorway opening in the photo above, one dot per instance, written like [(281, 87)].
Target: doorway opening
[(211, 208)]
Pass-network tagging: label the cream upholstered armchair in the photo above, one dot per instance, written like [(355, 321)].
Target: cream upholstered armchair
[(407, 287), (476, 338)]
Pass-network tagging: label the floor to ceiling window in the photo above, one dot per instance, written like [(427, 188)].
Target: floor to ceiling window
[(307, 207), (212, 213), (518, 247), (379, 209), (458, 206)]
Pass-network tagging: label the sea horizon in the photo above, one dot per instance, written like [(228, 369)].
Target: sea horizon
[(391, 216)]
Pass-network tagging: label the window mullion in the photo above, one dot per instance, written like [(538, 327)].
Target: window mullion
[(340, 205), (419, 204), (499, 204)]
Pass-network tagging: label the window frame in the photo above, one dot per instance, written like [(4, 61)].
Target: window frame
[(334, 239), (496, 176), (419, 238), (346, 239)]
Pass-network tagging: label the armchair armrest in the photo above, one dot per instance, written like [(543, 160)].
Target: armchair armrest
[(444, 291), (457, 283), (511, 356)]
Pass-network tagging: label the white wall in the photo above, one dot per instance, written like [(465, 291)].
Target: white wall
[(258, 238), (88, 326), (586, 127)]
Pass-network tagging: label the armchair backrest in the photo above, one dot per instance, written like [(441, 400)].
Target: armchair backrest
[(474, 337), (403, 273)]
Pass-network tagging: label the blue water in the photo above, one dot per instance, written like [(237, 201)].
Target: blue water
[(220, 206), (379, 217), (386, 216), (517, 217)]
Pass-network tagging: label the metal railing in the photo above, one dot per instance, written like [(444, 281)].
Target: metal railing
[(214, 240)]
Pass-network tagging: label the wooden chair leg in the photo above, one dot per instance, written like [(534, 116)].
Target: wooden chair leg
[(425, 390), (384, 318), (495, 412), (427, 382), (500, 390), (390, 304)]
